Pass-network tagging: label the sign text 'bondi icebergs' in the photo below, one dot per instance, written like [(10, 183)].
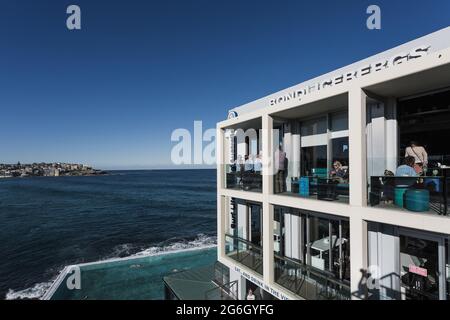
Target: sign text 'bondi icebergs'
[(352, 75)]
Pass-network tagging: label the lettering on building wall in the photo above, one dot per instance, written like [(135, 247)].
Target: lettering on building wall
[(353, 75), (261, 284)]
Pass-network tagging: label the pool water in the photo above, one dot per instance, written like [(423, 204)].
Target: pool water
[(137, 278)]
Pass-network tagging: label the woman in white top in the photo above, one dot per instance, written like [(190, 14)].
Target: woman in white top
[(250, 295), (420, 155)]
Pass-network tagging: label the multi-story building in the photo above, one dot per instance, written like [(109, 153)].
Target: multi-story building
[(310, 202)]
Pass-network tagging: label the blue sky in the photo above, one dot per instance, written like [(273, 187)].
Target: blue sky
[(111, 94)]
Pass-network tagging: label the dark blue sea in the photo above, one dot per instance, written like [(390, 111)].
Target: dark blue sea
[(50, 222)]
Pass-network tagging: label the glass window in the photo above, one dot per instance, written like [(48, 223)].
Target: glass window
[(255, 226), (419, 268), (339, 121), (314, 158), (345, 257), (314, 126), (329, 246), (340, 150), (319, 243), (277, 228)]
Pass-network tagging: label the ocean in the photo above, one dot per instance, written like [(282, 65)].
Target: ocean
[(50, 222)]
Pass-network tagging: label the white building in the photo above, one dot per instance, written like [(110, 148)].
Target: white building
[(308, 232)]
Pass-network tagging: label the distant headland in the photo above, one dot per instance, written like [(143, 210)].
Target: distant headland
[(55, 169)]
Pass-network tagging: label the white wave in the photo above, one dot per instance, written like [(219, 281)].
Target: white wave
[(35, 292), (200, 242)]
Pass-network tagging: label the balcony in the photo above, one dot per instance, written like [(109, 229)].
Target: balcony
[(309, 282), (238, 178), (311, 151), (244, 252), (422, 194), (316, 186), (407, 151)]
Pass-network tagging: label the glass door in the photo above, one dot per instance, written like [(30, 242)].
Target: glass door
[(421, 261)]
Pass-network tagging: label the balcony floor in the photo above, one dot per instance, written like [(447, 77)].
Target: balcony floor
[(237, 188), (392, 206), (340, 199), (248, 260)]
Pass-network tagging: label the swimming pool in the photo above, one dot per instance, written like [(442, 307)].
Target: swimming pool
[(135, 278)]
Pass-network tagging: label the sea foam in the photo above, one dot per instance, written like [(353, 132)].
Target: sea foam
[(202, 241)]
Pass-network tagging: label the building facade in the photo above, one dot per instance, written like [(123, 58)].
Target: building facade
[(311, 202)]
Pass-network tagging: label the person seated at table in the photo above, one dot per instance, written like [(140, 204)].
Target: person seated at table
[(248, 164), (258, 164), (407, 169), (338, 173)]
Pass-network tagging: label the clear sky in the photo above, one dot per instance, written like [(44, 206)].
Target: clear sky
[(111, 94)]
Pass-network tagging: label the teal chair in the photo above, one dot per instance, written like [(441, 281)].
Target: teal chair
[(320, 172)]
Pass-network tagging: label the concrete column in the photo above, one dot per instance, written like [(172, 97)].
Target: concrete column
[(242, 219), (220, 157), (392, 141), (329, 144), (358, 190), (267, 154), (357, 147), (358, 254), (268, 257), (220, 136), (378, 139), (296, 141), (288, 148)]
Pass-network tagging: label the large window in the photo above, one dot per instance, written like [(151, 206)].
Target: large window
[(408, 264), (317, 162), (407, 161), (243, 158), (329, 246), (419, 268), (315, 245), (243, 239)]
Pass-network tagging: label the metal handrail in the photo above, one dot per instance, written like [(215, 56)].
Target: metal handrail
[(225, 288), (313, 270), (323, 275), (253, 250), (244, 241)]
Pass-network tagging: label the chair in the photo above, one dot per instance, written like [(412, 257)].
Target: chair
[(417, 200)]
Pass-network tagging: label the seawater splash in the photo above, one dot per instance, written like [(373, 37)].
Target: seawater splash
[(35, 292), (122, 251)]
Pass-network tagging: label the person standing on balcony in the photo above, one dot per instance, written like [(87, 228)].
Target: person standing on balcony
[(280, 178), (248, 165), (258, 164), (420, 156)]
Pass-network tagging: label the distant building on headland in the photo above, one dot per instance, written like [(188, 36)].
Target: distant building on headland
[(56, 169)]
